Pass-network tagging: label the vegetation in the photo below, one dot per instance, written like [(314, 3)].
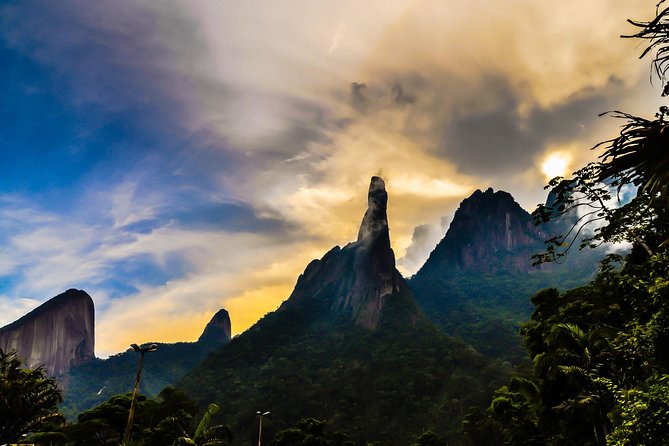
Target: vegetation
[(486, 310), (600, 352), (600, 365), (169, 419), (28, 399), (94, 382), (599, 372), (387, 385), (206, 435)]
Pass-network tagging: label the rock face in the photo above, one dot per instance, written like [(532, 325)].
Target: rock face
[(490, 233), (218, 330), (359, 279), (57, 335), (478, 281)]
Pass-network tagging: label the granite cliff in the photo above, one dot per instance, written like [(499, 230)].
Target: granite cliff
[(489, 233), (478, 280), (57, 335)]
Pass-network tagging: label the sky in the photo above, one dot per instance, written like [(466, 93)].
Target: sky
[(175, 157)]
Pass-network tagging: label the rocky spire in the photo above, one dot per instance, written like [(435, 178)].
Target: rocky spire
[(359, 279), (375, 222), (218, 330)]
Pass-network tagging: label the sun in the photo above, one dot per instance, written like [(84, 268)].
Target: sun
[(556, 164)]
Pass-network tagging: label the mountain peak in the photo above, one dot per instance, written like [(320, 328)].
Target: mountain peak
[(218, 330), (490, 196), (489, 232), (360, 279), (375, 222)]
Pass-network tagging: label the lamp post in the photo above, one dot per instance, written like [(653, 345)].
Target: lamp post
[(131, 414), (262, 414)]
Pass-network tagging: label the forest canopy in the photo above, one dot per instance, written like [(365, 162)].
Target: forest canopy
[(600, 355)]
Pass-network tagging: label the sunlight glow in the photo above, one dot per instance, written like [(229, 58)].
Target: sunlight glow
[(556, 164)]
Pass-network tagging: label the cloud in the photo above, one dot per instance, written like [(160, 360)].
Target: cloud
[(423, 241), (13, 308), (337, 37), (205, 152), (501, 139)]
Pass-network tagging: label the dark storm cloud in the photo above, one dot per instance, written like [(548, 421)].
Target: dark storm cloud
[(500, 140), (485, 127), (363, 98), (304, 124), (234, 217)]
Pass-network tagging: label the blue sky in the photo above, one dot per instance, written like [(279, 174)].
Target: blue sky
[(172, 158)]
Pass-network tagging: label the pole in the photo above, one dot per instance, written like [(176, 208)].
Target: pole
[(131, 415), (262, 414), (133, 403)]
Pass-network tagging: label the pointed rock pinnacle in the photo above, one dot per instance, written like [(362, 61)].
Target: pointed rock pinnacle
[(375, 221)]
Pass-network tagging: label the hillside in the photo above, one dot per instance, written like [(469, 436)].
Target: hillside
[(351, 347), (94, 382), (478, 281)]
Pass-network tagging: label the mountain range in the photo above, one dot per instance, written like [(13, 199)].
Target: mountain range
[(59, 336), (349, 345), (380, 357)]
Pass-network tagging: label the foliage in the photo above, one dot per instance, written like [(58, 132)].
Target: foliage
[(486, 310), (28, 399), (429, 438), (641, 417), (600, 352), (94, 382), (172, 416), (307, 432), (601, 217), (157, 422), (205, 434), (386, 385), (637, 159), (600, 364), (105, 423), (657, 32)]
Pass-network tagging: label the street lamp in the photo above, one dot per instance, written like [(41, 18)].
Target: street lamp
[(262, 414), (131, 414)]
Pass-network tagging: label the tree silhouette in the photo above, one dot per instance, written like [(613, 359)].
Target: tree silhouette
[(28, 399), (635, 161)]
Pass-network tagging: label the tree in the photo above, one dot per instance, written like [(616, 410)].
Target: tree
[(28, 399), (636, 162), (169, 417), (601, 352), (307, 432), (206, 435), (103, 424)]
